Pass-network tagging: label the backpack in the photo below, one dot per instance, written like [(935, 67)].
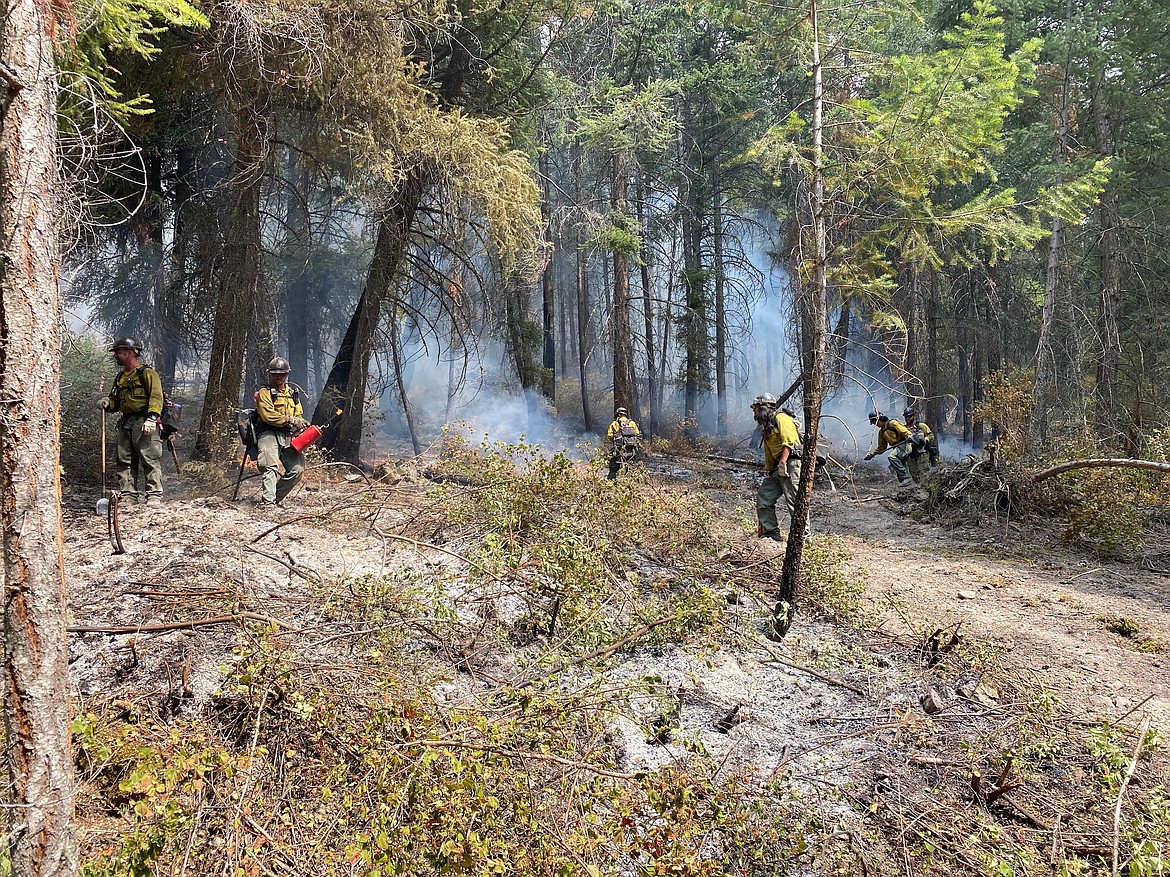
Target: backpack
[(171, 415), (246, 420)]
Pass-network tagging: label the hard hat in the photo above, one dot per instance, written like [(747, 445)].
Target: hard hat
[(279, 366), (764, 399), (622, 412), (126, 343), (910, 412), (875, 416)]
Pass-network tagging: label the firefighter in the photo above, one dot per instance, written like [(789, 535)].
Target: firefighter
[(781, 464), (923, 446), (137, 395), (623, 435), (894, 436), (278, 418)]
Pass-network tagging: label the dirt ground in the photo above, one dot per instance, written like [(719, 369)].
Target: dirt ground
[(1044, 607)]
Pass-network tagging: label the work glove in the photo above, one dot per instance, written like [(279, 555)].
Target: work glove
[(868, 457), (299, 424), (148, 426)]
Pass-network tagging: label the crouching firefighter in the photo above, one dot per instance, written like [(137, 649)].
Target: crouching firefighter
[(781, 464), (895, 437), (137, 395), (278, 418), (623, 436)]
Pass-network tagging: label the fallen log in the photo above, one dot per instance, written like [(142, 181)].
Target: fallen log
[(1101, 463)]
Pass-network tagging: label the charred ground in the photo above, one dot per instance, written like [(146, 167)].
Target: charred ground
[(508, 664)]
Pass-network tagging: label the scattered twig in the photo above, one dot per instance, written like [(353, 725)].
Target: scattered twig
[(182, 625), (311, 576), (537, 756), (1137, 750)]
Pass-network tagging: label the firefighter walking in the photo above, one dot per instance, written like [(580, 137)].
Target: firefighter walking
[(781, 464), (278, 417)]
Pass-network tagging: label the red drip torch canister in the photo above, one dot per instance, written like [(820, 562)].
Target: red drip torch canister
[(306, 437)]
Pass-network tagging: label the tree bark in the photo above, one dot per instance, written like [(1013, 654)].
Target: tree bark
[(404, 397), (814, 349), (624, 390), (237, 294), (693, 325), (720, 304), (298, 252), (1044, 389), (172, 306), (345, 388), (1109, 260), (582, 292), (654, 412), (38, 800), (548, 383)]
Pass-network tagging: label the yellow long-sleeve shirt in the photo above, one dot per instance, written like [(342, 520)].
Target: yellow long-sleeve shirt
[(894, 433), (782, 435), (276, 408)]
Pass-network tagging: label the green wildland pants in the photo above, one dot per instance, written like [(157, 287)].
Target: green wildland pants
[(138, 459), (771, 488), (273, 449)]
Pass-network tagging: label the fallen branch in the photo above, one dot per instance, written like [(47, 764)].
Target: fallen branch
[(603, 652), (1101, 463), (778, 658), (1137, 750), (536, 756), (181, 625), (315, 578)]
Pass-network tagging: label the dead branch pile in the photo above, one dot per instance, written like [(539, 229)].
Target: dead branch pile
[(978, 490)]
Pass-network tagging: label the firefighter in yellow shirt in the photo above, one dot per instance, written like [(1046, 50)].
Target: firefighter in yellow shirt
[(279, 417), (892, 436), (781, 464), (923, 448), (623, 435)]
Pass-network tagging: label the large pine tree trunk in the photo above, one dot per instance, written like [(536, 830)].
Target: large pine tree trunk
[(38, 798), (235, 306), (624, 389), (345, 388)]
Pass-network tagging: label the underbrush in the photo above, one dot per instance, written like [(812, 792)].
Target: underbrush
[(306, 772)]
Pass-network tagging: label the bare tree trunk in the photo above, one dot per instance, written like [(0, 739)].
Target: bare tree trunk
[(1044, 390), (720, 304), (548, 383), (345, 388), (1109, 216), (624, 389), (582, 293), (693, 325), (653, 396), (237, 293), (816, 306), (933, 405), (915, 336), (396, 356), (171, 306), (297, 291), (38, 800)]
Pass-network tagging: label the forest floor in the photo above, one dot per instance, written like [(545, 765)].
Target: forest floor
[(952, 699)]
